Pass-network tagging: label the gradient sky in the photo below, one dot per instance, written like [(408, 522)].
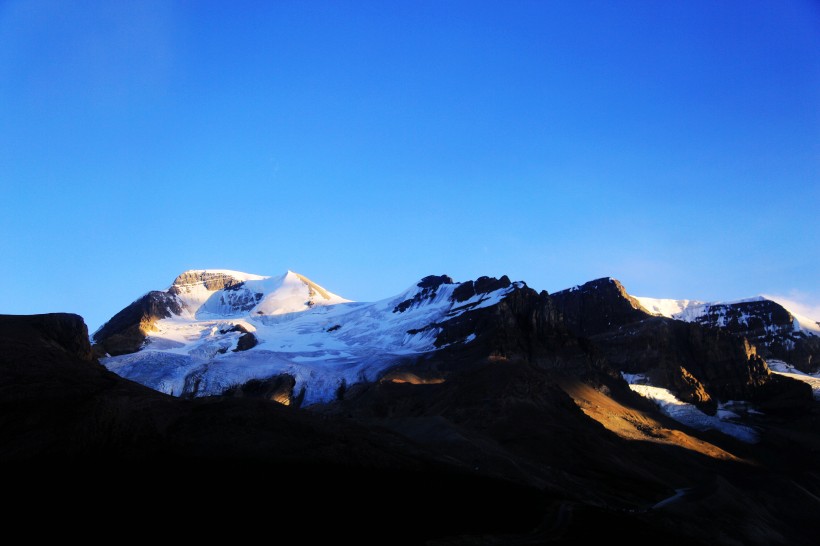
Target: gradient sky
[(673, 145)]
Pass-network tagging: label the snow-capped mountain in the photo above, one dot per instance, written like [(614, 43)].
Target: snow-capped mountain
[(214, 330), (288, 339), (225, 293), (744, 311), (777, 332)]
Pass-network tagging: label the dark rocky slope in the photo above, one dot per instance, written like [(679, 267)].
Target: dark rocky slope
[(769, 327), (701, 364), (68, 425), (598, 306), (527, 399), (126, 331)]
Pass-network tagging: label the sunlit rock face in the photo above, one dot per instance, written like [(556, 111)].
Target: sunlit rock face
[(126, 331), (212, 281)]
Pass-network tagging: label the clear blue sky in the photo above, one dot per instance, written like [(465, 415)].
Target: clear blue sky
[(673, 145)]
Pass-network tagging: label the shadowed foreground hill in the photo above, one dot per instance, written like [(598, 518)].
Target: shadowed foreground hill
[(67, 425), (538, 446)]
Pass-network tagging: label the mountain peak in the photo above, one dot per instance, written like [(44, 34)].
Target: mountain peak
[(434, 281), (224, 292), (212, 279), (313, 288), (604, 282), (597, 305)]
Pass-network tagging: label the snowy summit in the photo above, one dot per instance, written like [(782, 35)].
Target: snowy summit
[(214, 330)]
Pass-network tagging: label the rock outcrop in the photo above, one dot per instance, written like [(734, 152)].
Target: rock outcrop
[(482, 285), (61, 330), (127, 330), (428, 286), (597, 306), (246, 341), (212, 281), (279, 388), (701, 365), (523, 324)]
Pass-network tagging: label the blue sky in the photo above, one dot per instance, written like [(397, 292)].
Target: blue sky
[(672, 145)]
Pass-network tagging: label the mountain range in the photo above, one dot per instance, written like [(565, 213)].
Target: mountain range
[(213, 331), (562, 418)]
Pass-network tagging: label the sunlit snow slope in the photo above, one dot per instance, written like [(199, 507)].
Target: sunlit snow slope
[(323, 340)]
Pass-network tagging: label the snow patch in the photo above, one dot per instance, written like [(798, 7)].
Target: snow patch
[(689, 414), (666, 307), (782, 368)]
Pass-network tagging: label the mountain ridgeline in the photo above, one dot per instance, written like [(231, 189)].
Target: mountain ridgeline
[(213, 331)]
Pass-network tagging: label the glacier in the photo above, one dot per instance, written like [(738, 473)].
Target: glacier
[(323, 340)]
